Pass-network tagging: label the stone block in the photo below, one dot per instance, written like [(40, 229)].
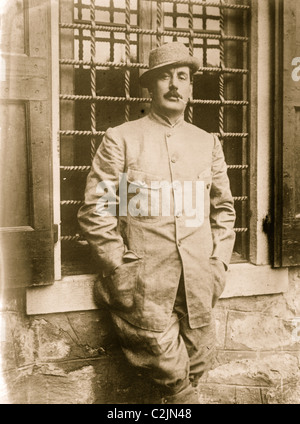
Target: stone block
[(52, 386), (54, 331), (248, 396), (226, 356), (22, 338), (220, 317), (270, 371), (216, 394), (256, 331), (100, 330), (288, 394), (7, 357), (73, 335), (107, 380), (14, 385), (51, 342), (7, 350), (271, 379), (292, 297)]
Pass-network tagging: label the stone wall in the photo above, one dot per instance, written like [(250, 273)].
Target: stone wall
[(63, 358), (258, 353), (75, 358)]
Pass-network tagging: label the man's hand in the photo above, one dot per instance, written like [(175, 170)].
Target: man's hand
[(218, 269)]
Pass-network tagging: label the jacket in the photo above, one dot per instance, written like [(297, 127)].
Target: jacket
[(142, 255)]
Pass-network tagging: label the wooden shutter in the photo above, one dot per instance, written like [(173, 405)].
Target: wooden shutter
[(287, 135), (26, 230)]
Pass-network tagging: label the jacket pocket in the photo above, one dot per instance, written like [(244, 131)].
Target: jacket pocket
[(218, 274), (120, 286)]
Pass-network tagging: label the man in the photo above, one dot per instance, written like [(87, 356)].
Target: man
[(162, 257)]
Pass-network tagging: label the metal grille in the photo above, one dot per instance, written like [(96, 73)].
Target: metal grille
[(103, 43)]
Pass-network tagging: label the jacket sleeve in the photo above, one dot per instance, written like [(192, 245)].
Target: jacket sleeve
[(98, 215), (222, 213)]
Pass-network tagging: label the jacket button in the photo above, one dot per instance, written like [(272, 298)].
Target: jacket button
[(169, 134), (173, 160), (179, 243)]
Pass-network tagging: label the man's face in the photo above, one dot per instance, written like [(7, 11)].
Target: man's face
[(171, 90)]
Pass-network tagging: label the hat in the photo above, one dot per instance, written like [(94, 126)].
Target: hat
[(175, 54)]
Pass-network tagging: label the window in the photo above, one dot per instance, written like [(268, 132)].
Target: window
[(104, 47)]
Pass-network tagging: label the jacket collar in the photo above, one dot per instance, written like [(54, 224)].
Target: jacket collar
[(164, 120)]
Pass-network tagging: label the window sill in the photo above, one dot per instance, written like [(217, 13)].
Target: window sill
[(75, 293)]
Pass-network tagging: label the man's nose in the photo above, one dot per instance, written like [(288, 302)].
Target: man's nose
[(173, 82)]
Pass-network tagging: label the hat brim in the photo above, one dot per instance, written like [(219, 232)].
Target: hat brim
[(192, 62)]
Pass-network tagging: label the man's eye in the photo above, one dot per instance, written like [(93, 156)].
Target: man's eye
[(182, 77), (164, 76)]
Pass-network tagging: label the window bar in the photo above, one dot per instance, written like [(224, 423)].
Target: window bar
[(81, 133), (175, 33), (80, 32), (175, 16), (221, 76), (80, 168), (207, 3), (237, 166), (159, 23), (191, 51), (217, 4), (111, 35), (80, 238), (144, 66), (86, 168), (72, 238), (72, 202), (101, 133), (232, 135), (93, 79), (204, 18), (127, 55), (81, 202), (147, 99)]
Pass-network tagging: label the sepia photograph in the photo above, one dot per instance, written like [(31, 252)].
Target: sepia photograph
[(150, 204)]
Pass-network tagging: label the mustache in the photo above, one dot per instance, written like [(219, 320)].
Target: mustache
[(173, 93)]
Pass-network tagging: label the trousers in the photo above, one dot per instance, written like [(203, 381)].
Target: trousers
[(175, 357)]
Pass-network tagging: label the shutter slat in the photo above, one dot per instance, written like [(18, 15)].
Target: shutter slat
[(26, 228)]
